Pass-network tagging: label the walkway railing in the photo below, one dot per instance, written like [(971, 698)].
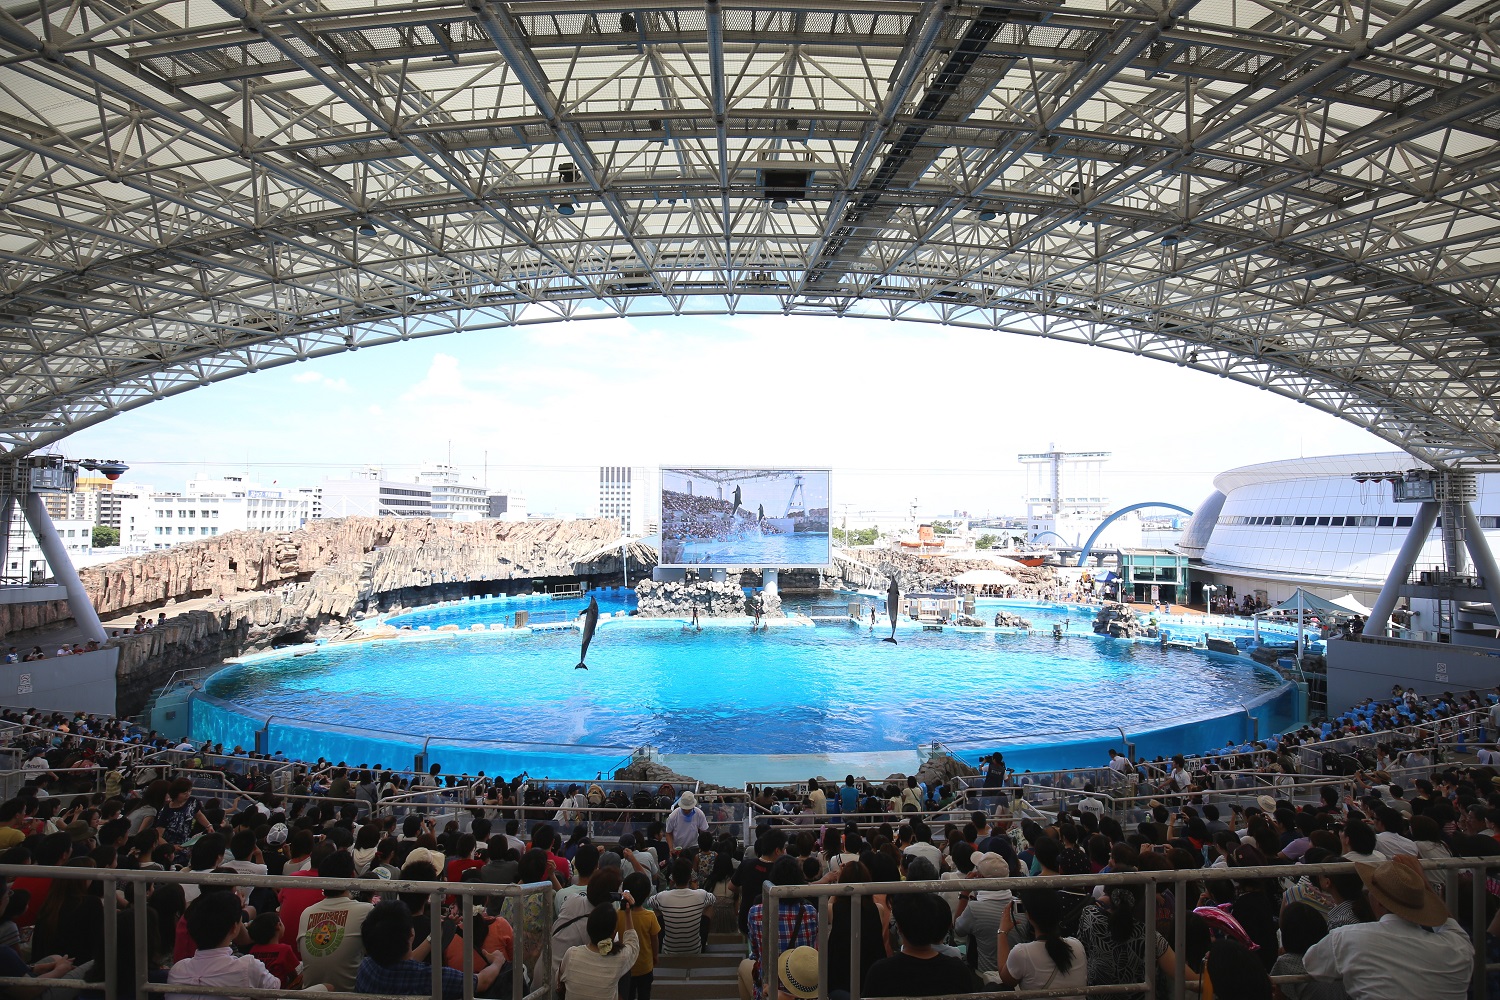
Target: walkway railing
[(467, 892), (1456, 872)]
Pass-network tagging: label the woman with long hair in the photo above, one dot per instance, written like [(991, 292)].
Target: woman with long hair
[(1256, 903), (71, 920), (873, 918), (1113, 933), (1051, 961), (152, 801), (724, 865), (592, 971), (527, 911), (166, 905)]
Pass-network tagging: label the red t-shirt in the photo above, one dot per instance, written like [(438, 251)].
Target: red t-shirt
[(457, 867), (279, 959), (293, 902), (38, 887)]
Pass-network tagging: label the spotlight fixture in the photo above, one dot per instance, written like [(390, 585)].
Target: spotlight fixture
[(367, 228), (565, 208), (987, 216), (779, 204)]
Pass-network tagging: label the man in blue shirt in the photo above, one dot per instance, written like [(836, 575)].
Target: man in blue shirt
[(388, 966)]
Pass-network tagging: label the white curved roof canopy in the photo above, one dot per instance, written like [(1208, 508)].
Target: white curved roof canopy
[(1301, 197)]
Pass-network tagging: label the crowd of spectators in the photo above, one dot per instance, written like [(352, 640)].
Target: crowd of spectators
[(1380, 932)]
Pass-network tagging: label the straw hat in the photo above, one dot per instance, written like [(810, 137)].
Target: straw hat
[(1267, 804), (799, 972), (688, 801), (1402, 890)]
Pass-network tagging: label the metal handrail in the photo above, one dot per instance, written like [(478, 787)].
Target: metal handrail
[(1454, 868), (435, 891)]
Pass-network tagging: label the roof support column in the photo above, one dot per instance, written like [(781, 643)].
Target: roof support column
[(1484, 559), (62, 568), (1421, 527)]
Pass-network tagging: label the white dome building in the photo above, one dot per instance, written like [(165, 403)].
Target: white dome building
[(1306, 522)]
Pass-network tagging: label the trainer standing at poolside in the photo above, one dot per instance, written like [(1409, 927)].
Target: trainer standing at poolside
[(684, 823)]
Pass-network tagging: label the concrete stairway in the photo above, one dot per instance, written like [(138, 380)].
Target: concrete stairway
[(709, 976)]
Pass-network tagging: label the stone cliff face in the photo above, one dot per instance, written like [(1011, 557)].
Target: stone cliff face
[(328, 572), (872, 569), (346, 564), (678, 599)]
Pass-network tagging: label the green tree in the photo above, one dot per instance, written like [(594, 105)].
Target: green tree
[(106, 537), (986, 541), (942, 528), (859, 536)]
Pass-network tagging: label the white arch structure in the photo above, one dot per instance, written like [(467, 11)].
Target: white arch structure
[(1300, 196)]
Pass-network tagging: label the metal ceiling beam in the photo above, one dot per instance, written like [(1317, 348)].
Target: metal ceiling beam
[(169, 217)]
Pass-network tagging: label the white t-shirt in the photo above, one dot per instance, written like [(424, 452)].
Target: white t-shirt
[(1034, 969)]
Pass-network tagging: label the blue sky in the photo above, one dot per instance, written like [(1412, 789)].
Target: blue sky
[(901, 412)]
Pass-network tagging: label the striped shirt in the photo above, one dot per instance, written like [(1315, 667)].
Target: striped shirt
[(681, 912)]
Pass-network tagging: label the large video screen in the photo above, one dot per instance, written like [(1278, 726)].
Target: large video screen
[(744, 517)]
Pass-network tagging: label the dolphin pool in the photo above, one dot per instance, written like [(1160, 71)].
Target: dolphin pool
[(761, 705)]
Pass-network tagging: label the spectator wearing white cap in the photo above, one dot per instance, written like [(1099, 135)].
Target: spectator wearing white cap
[(980, 912), (684, 823)]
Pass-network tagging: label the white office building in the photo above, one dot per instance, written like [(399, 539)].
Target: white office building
[(506, 506), (24, 562), (370, 494), (455, 497), (209, 507), (630, 496)]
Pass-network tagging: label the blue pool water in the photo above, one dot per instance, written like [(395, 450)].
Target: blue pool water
[(814, 691)]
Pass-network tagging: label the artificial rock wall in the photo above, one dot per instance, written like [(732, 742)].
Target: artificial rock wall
[(328, 572)]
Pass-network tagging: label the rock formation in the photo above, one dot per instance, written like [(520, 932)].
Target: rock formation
[(872, 569), (328, 572), (343, 565), (1121, 622), (676, 599)]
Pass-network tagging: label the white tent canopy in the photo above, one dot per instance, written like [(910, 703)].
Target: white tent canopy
[(1348, 601), (1321, 605)]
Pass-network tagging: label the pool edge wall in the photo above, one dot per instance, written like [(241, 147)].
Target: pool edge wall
[(217, 720)]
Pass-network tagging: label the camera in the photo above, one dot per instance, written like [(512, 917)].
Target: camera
[(617, 897)]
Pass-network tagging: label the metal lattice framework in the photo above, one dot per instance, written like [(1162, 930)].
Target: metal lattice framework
[(1297, 194)]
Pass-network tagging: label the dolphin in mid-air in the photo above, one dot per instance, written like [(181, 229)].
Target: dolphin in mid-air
[(892, 608), (736, 508), (590, 617), (761, 509)]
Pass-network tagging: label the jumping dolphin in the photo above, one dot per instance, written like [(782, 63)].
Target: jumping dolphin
[(590, 617), (892, 608), (736, 509), (761, 513)]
